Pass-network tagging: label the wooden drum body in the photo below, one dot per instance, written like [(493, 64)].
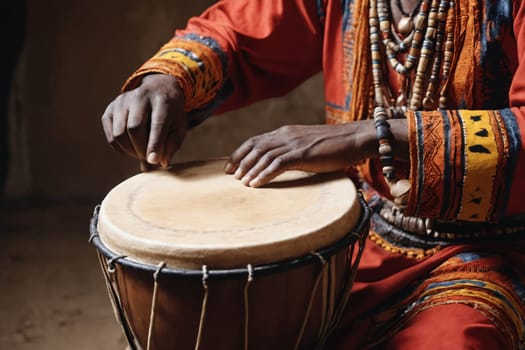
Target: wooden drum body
[(194, 260)]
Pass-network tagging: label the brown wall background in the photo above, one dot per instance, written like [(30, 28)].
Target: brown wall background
[(77, 53)]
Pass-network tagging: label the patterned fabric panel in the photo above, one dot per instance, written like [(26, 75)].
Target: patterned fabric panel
[(200, 67), (462, 163), (482, 281)]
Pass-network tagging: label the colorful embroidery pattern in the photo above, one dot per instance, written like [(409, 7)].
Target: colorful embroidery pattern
[(358, 91), (196, 62), (409, 252), (459, 164), (483, 282)]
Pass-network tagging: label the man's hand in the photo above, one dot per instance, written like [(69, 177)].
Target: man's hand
[(149, 122), (315, 148)]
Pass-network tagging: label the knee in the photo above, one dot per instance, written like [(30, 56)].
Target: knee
[(448, 327)]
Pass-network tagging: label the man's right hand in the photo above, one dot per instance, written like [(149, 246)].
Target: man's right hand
[(149, 122)]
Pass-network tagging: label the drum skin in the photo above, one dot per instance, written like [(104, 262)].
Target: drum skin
[(283, 227)]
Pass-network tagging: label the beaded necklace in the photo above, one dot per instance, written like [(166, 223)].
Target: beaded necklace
[(427, 52)]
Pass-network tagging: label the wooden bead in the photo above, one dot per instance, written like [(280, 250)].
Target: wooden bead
[(385, 148), (427, 44), (387, 160), (388, 169), (405, 25), (428, 102), (400, 191)]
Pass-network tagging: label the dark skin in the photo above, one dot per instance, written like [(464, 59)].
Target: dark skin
[(149, 123)]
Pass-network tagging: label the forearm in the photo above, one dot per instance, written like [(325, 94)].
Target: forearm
[(400, 144), (361, 137)]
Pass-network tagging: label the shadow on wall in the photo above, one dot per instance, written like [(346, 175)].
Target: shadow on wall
[(77, 54)]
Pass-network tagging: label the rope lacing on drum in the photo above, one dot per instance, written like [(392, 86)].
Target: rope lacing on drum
[(246, 311), (112, 261), (115, 299), (92, 237), (348, 284), (312, 296), (153, 310), (94, 232), (204, 305)]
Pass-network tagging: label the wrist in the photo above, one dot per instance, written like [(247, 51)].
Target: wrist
[(399, 188), (194, 63), (363, 138), (399, 130)]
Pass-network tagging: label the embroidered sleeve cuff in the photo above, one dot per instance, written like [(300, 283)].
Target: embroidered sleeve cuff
[(461, 163), (196, 62)]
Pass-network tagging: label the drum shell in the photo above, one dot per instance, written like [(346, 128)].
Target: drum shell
[(277, 306)]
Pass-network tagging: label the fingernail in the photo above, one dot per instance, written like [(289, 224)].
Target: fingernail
[(246, 180), (228, 168), (153, 158), (254, 182), (238, 173)]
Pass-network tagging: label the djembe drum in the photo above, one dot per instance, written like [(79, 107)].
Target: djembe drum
[(194, 260)]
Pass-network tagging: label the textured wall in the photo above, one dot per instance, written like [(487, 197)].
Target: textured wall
[(77, 54)]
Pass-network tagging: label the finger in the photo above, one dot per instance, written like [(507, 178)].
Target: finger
[(243, 159), (107, 126), (278, 166), (262, 163), (158, 132), (145, 166), (249, 161), (233, 162), (120, 135), (137, 128), (107, 123), (174, 141)]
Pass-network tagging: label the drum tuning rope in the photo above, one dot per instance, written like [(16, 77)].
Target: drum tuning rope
[(341, 306), (360, 234), (246, 311), (93, 232), (329, 288), (153, 310), (322, 272), (111, 263), (204, 305), (114, 298)]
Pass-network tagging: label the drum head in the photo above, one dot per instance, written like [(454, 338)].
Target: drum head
[(194, 215)]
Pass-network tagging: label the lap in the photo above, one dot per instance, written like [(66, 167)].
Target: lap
[(446, 327), (462, 300)]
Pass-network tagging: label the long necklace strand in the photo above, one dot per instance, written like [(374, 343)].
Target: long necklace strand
[(428, 101), (426, 54), (448, 54)]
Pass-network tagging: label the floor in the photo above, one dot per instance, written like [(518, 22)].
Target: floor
[(52, 294)]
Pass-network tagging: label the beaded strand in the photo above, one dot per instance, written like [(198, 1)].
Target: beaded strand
[(448, 54), (428, 101), (428, 51), (399, 188)]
